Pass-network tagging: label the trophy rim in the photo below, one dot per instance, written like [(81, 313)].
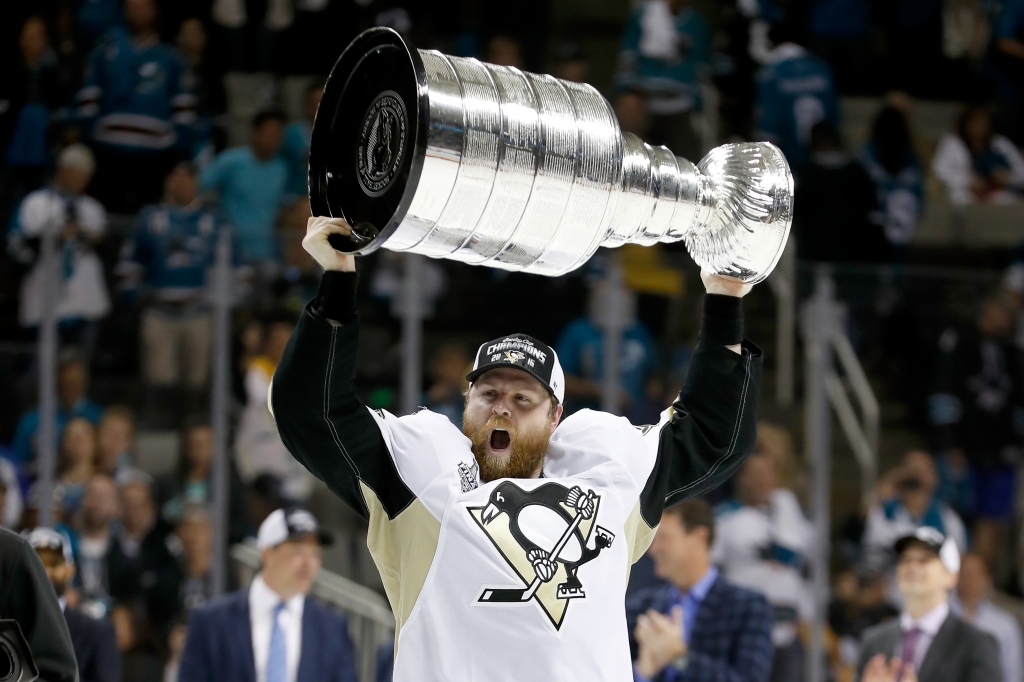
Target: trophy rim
[(321, 198)]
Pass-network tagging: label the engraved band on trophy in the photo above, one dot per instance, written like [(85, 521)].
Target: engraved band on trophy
[(453, 158)]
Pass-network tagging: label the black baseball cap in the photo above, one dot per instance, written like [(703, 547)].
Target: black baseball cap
[(522, 351)]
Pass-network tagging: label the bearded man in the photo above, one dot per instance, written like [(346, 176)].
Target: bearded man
[(505, 549)]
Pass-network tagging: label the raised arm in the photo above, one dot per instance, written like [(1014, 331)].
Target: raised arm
[(322, 421), (713, 423)]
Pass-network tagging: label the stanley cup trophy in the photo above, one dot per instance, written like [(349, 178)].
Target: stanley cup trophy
[(452, 158)]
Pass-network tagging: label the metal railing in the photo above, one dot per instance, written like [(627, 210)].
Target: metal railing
[(370, 621)]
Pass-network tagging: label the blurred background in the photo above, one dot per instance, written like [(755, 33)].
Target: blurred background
[(153, 191)]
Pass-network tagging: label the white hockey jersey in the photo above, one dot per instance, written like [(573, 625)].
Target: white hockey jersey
[(455, 553)]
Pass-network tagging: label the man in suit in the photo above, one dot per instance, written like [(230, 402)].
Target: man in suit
[(94, 641), (927, 643), (698, 627), (271, 632)]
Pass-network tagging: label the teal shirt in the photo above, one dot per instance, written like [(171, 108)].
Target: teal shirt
[(296, 152), (670, 79), (251, 192)]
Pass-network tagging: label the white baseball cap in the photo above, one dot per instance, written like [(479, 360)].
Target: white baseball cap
[(48, 538), (942, 545), (284, 524)]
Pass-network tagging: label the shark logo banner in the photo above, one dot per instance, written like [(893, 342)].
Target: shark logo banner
[(546, 535)]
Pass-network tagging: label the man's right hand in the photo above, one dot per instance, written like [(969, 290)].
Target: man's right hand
[(318, 229)]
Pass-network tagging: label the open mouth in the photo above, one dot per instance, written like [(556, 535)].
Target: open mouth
[(500, 441)]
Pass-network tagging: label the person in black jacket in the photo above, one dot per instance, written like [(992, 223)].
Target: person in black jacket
[(94, 640), (27, 597), (530, 507)]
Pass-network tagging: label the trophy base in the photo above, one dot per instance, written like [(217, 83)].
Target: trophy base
[(363, 177)]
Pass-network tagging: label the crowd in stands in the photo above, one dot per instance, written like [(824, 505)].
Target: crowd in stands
[(125, 169)]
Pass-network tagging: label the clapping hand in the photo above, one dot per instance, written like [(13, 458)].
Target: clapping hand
[(878, 670), (661, 640)]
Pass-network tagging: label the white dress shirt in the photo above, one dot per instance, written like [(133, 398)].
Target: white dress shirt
[(928, 624), (262, 602)]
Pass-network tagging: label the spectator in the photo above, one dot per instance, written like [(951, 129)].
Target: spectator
[(77, 462), (72, 382), (194, 533), (284, 635), (761, 544), (144, 562), (295, 148), (580, 349), (971, 602), (794, 91), (206, 83), (914, 505), (665, 52), (170, 254), (190, 485), (977, 410), (252, 186), (446, 394), (858, 603), (830, 178), (11, 504), (258, 447), (31, 89), (976, 164), (95, 535), (116, 441), (76, 222), (891, 162), (93, 639), (138, 109), (931, 644), (699, 626)]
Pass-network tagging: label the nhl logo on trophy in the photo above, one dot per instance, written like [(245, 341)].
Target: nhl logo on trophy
[(381, 143), (453, 158)]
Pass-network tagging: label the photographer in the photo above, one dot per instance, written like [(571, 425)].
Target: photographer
[(27, 597), (912, 505)]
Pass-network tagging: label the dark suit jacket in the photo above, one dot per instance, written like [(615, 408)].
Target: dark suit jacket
[(732, 633), (219, 644), (960, 652), (95, 647)]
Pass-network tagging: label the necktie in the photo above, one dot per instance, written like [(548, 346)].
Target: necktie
[(910, 646), (277, 660)]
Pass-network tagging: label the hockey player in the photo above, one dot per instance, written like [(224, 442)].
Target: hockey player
[(505, 548)]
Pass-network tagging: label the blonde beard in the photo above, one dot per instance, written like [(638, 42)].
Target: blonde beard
[(526, 449)]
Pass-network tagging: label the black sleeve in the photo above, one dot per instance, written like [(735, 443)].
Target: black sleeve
[(27, 596), (321, 419), (714, 422)]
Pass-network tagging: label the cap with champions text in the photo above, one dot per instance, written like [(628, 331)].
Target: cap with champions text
[(285, 524), (945, 547), (524, 352), (48, 538)]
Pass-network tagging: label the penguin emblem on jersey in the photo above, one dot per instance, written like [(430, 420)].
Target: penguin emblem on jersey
[(545, 535)]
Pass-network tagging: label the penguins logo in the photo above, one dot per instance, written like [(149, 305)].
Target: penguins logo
[(515, 355), (545, 535)]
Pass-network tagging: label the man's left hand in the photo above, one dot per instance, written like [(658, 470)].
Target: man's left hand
[(661, 640), (726, 286)]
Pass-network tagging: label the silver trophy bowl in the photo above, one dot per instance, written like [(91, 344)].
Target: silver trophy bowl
[(453, 158)]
